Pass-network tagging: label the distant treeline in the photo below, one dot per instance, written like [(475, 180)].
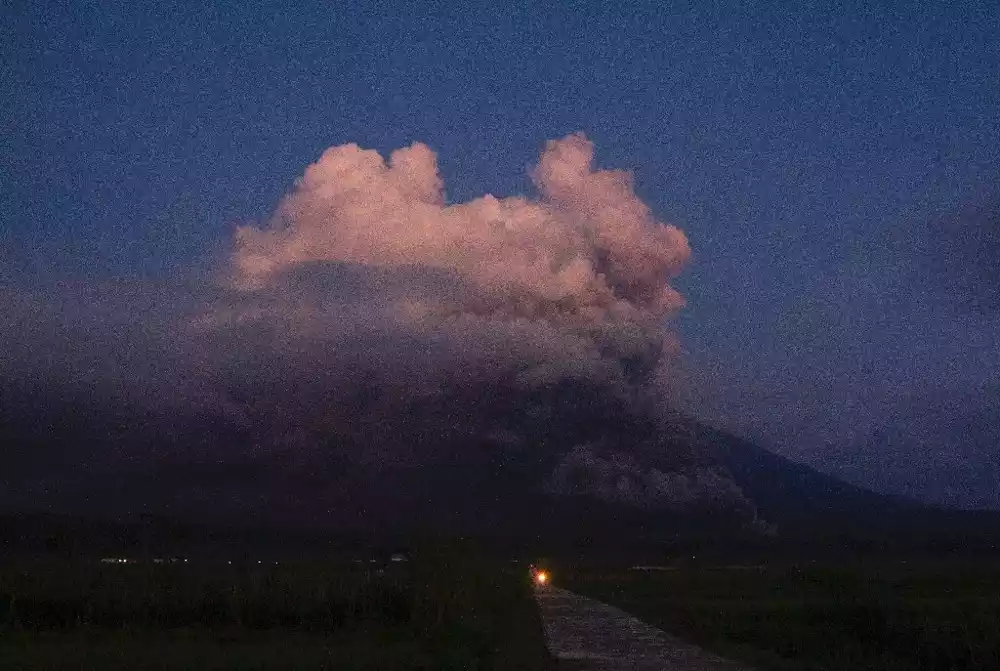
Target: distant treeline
[(927, 532)]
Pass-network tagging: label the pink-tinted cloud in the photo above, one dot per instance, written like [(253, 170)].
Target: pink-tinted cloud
[(571, 281)]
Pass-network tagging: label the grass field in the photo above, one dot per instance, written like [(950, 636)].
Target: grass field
[(903, 616), (443, 610)]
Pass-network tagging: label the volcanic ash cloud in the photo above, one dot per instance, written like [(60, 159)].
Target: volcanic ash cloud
[(574, 282)]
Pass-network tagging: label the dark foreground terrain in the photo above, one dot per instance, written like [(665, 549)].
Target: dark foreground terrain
[(440, 610), (903, 615)]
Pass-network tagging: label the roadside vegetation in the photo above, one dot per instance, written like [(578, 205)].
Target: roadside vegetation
[(444, 609), (903, 616)]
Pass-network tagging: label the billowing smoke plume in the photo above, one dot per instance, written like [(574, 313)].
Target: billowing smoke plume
[(523, 324), (371, 327), (574, 284)]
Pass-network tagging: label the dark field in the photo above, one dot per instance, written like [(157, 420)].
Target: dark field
[(445, 611), (902, 616)]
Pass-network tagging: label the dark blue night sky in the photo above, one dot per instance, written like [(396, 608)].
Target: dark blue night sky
[(834, 165)]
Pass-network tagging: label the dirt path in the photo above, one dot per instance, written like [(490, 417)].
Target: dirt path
[(587, 635)]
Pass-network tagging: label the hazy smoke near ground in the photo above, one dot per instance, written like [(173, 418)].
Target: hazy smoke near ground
[(621, 478)]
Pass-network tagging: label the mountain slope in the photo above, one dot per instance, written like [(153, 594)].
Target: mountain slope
[(566, 463)]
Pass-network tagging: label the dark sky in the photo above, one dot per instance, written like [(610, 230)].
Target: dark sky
[(834, 165)]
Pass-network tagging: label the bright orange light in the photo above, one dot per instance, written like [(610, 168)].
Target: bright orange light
[(541, 577)]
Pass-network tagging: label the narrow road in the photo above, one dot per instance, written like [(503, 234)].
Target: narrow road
[(587, 635)]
